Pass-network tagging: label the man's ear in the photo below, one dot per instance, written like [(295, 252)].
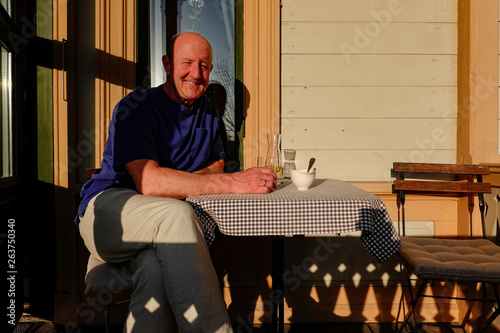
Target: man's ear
[(166, 64)]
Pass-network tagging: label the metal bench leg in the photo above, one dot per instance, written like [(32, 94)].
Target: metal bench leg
[(494, 314), (413, 304)]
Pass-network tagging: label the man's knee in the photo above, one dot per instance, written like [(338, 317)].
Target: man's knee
[(184, 209), (181, 219)]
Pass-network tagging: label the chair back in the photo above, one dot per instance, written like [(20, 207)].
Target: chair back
[(91, 171), (431, 178)]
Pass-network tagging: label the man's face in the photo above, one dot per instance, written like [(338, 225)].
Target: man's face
[(188, 72)]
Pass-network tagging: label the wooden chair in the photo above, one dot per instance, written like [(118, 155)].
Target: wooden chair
[(105, 279), (455, 260)]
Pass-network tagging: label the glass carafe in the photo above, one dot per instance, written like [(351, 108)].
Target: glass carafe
[(274, 155)]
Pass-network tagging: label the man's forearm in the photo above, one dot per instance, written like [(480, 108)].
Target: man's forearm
[(151, 179)]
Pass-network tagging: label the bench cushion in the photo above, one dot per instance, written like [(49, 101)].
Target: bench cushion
[(467, 260), (114, 278)]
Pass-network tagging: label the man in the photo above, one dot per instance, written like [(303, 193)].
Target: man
[(164, 145)]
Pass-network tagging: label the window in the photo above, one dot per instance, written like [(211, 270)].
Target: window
[(158, 41), (7, 4), (215, 20), (6, 107), (6, 64)]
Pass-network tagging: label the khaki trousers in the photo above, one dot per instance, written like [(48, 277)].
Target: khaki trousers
[(164, 242)]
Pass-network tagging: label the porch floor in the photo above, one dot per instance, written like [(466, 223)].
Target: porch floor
[(46, 326)]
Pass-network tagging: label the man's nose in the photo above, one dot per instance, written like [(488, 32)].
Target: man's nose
[(196, 71)]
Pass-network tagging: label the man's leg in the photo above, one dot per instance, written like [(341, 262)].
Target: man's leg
[(149, 310), (120, 223)]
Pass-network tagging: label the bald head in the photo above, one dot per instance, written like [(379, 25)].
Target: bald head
[(188, 34), (188, 66)]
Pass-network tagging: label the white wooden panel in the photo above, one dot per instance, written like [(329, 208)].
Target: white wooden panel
[(369, 70), (372, 102), (366, 165), (418, 228), (374, 10), (377, 134), (413, 229), (355, 37), (367, 83)]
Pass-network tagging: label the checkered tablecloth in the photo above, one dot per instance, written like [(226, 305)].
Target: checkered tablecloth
[(328, 207)]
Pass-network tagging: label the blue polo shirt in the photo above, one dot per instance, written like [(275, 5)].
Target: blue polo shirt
[(147, 124)]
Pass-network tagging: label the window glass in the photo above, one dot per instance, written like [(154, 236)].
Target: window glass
[(6, 109), (7, 5), (213, 19), (158, 41)]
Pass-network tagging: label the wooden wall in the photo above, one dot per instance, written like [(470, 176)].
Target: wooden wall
[(261, 67), (368, 83), (115, 63)]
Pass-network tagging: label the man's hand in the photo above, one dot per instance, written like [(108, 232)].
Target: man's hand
[(253, 180)]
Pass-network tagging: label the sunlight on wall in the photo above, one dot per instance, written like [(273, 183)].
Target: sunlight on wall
[(358, 93)]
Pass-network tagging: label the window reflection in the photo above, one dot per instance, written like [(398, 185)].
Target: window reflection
[(213, 19)]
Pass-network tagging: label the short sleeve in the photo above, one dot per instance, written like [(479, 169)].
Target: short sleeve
[(132, 134)]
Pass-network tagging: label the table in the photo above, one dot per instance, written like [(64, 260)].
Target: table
[(328, 207)]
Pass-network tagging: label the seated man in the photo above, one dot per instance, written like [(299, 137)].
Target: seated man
[(164, 145)]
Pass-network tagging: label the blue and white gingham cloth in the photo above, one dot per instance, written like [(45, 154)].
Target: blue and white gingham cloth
[(328, 207)]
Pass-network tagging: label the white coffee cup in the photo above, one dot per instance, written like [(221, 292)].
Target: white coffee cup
[(302, 179)]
